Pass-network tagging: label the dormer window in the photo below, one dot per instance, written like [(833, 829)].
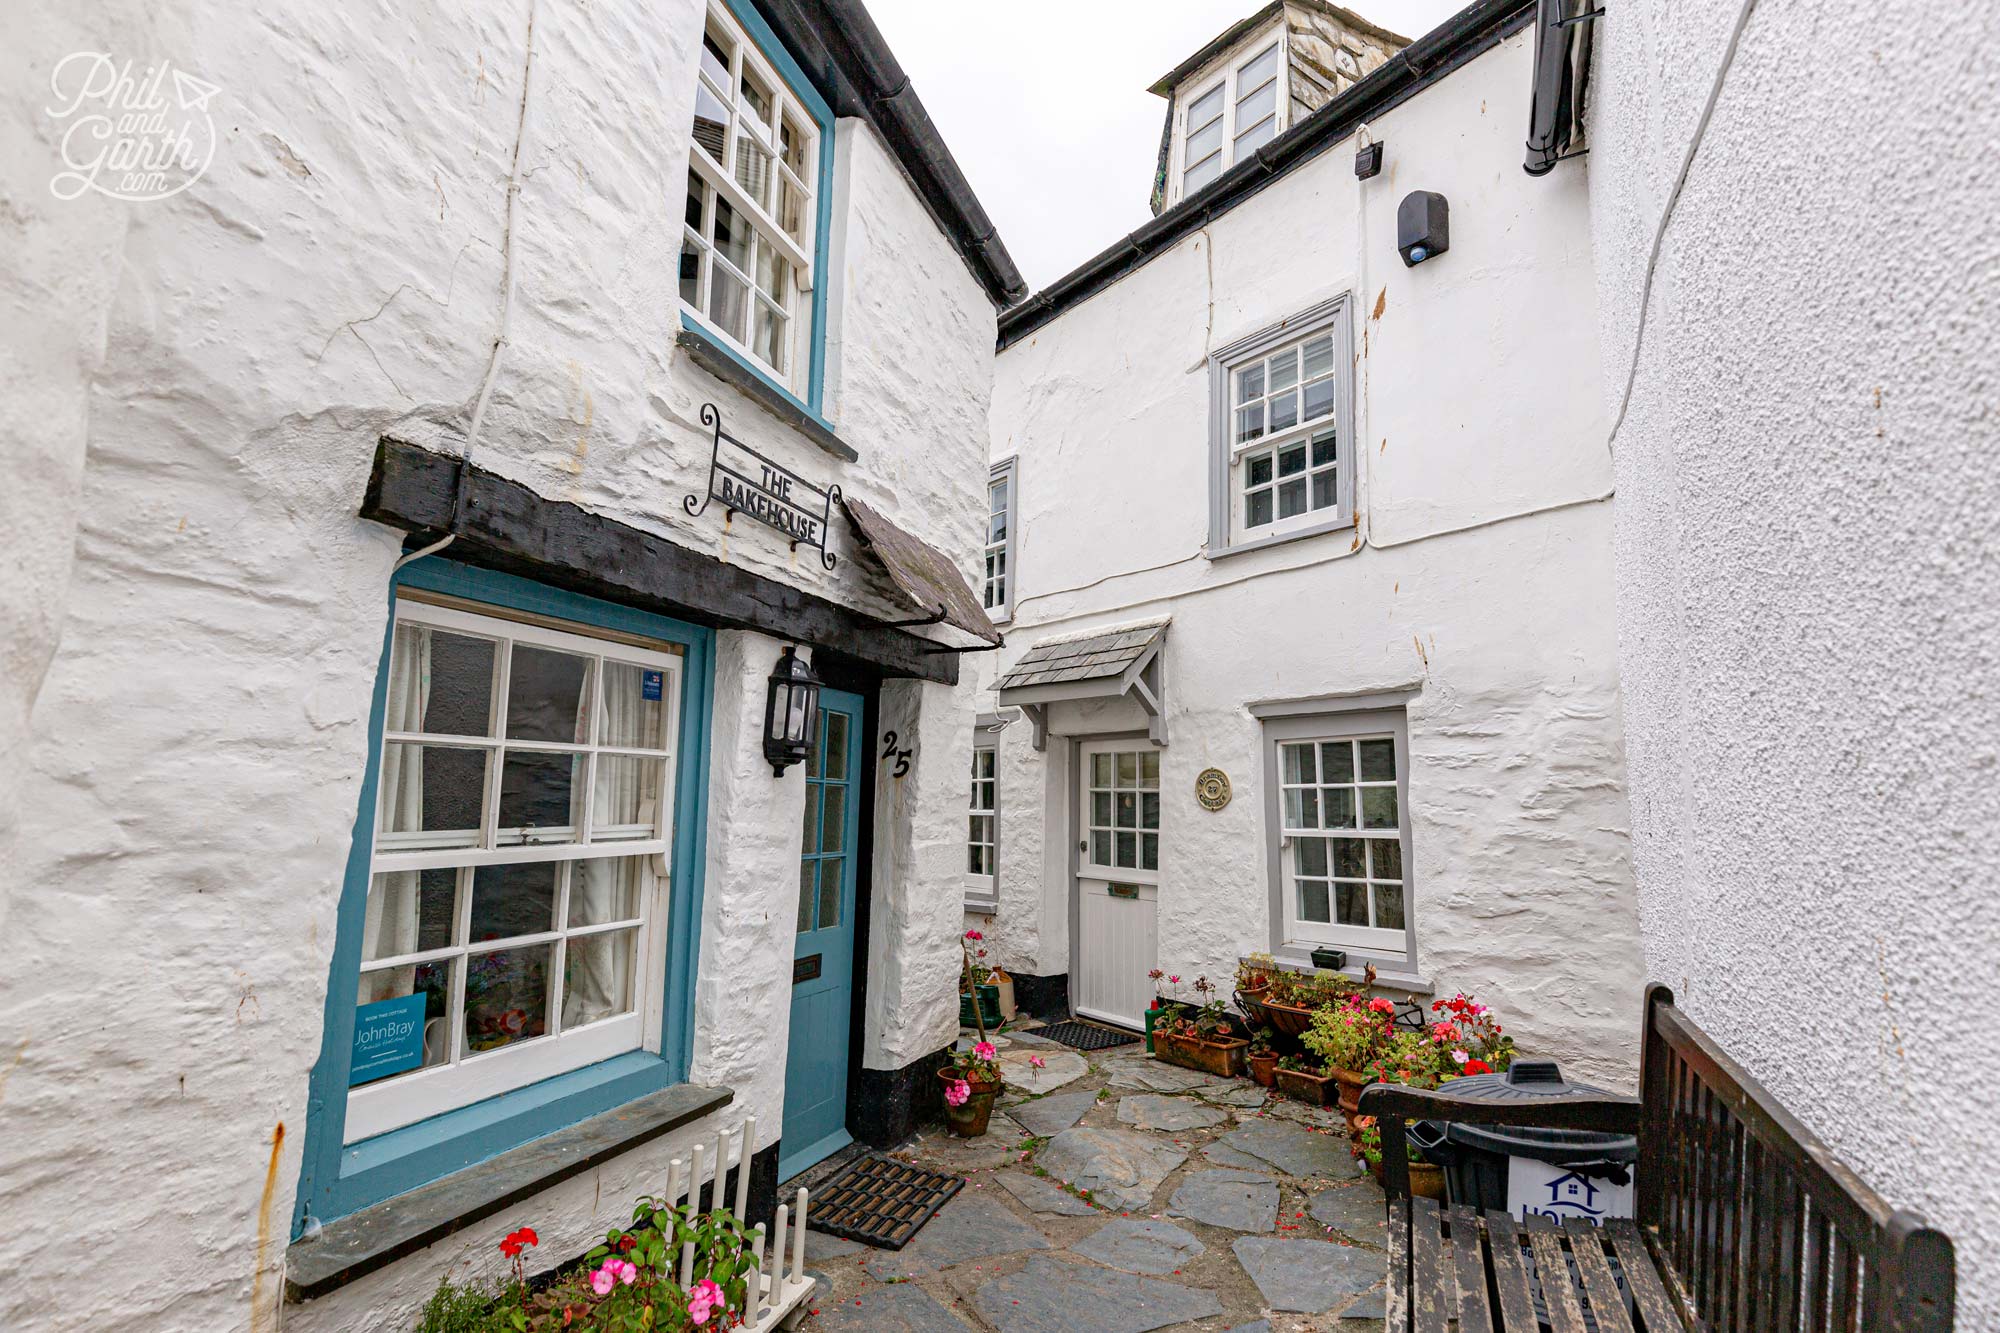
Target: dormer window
[(1233, 115)]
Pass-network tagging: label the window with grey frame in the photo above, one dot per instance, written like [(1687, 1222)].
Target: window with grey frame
[(1281, 431), (998, 588), (1339, 823), (982, 868)]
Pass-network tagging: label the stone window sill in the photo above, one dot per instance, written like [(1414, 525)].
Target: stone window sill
[(726, 366), (1223, 552), (1387, 977), (374, 1237)]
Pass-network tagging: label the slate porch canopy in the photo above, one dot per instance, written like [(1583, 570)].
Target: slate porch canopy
[(923, 576), (1100, 664)]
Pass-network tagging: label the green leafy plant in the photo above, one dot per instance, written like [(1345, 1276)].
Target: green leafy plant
[(1368, 1143), (1353, 1033), (1260, 1042)]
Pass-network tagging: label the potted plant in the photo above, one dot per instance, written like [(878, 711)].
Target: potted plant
[(1200, 1039), (1263, 1060), (1255, 976), (971, 1082), (1157, 1010), (978, 997), (1348, 1038), (1301, 1078), (1426, 1178), (1289, 1007)]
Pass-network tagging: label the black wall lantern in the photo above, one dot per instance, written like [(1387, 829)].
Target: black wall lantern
[(1423, 227), (791, 712)]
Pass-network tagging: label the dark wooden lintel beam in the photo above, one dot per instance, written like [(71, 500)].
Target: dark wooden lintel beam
[(504, 525)]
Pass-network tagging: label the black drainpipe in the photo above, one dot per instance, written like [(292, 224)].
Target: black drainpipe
[(1562, 61)]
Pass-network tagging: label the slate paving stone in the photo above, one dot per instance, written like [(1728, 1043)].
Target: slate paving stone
[(1244, 1096), (1050, 1297), (903, 1308), (972, 1226), (1290, 1149), (1308, 1276), (1060, 1067), (1042, 1196), (1356, 1210), (1030, 1039), (1149, 1075), (1120, 1167), (1051, 1115), (1139, 1246), (1373, 1305), (820, 1247), (1261, 1326), (1237, 1200), (1169, 1115)]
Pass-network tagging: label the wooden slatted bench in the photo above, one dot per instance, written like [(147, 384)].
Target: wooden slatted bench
[(1746, 1221)]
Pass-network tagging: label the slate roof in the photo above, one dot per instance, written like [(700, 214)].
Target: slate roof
[(1103, 656), (923, 576)]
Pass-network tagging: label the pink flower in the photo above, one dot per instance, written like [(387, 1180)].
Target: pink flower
[(983, 1050), (704, 1298), (1038, 1062), (626, 1272), (602, 1281), (957, 1092), (1460, 1056), (1173, 981)]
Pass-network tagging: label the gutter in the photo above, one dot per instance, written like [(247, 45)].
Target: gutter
[(1462, 38), (837, 41)]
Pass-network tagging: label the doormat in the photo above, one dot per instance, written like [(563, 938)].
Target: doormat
[(1085, 1036), (879, 1201)]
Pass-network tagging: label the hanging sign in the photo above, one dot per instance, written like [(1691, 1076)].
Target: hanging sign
[(749, 483)]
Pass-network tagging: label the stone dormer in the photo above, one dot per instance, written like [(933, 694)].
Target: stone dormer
[(1260, 77)]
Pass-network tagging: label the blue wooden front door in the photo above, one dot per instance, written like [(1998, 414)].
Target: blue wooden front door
[(823, 961)]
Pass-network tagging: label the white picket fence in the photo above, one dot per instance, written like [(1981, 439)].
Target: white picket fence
[(776, 1291)]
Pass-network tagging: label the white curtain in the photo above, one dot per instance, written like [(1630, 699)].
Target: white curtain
[(600, 967), (391, 924)]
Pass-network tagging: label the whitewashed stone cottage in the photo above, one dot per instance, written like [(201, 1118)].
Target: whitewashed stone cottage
[(1303, 556), (394, 847)]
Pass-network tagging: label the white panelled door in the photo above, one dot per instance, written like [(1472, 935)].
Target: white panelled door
[(1117, 883)]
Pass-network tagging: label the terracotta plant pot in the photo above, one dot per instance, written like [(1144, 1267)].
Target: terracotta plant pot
[(1264, 1069), (1300, 1086), (1351, 1084), (1426, 1180), (1221, 1058), (969, 1121), (1289, 1019)]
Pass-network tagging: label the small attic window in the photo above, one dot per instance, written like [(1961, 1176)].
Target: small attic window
[(1232, 113)]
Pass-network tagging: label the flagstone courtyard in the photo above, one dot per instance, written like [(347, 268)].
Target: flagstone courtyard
[(1117, 1193)]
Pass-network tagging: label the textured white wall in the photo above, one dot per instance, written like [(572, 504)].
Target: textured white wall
[(1809, 599), (1471, 414), (196, 753)]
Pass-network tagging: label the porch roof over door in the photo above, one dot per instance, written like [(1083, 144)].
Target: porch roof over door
[(1096, 664)]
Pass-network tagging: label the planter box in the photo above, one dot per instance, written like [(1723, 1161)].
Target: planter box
[(989, 1005), (1221, 1058), (1288, 1019), (1312, 1089)]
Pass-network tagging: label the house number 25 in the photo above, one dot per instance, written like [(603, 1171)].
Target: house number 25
[(902, 757)]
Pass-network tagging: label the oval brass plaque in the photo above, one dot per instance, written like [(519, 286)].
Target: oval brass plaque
[(1212, 789)]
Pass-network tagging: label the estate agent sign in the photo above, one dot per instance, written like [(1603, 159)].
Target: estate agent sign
[(749, 483)]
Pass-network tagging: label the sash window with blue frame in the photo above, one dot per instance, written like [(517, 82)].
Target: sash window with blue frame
[(517, 887)]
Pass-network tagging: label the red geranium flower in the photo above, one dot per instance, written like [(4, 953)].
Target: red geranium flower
[(518, 1241), (1477, 1067)]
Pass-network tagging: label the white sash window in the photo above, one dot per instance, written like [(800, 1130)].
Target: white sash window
[(519, 874)]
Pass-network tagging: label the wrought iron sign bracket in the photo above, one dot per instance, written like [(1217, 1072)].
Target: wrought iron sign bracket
[(915, 624), (767, 491)]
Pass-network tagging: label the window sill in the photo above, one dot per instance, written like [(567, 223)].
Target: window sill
[(726, 365), (983, 906), (377, 1236), (1389, 976), (1278, 539)]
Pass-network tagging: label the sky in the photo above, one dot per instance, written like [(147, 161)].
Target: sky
[(1044, 103)]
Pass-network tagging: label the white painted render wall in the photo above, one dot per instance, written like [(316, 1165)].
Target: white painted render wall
[(189, 783), (1809, 595), (1476, 417)]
